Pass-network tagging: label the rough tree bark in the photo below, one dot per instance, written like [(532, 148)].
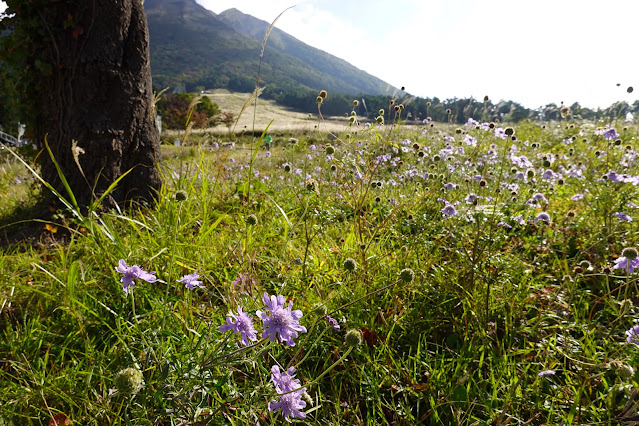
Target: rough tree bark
[(89, 61)]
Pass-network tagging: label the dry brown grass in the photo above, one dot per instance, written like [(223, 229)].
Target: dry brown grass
[(283, 119)]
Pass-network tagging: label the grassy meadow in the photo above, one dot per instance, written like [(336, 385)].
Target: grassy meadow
[(480, 274)]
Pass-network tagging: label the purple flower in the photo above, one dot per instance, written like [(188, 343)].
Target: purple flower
[(546, 373), (469, 140), (449, 210), (290, 404), (131, 273), (191, 281), (623, 217), (333, 322), (537, 197), (284, 381), (543, 216), (577, 197), (241, 323), (611, 134), (290, 390), (628, 265), (283, 323), (632, 335)]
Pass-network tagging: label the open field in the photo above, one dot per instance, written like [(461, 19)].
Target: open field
[(283, 119), (471, 275)]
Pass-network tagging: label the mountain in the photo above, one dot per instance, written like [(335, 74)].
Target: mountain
[(358, 81), (193, 48)]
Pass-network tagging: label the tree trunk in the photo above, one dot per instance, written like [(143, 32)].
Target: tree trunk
[(97, 107)]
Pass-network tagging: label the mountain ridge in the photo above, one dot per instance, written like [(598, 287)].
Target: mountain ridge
[(194, 48)]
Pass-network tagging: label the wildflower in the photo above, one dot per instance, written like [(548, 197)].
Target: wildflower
[(611, 134), (628, 260), (290, 404), (333, 322), (623, 217), (191, 282), (282, 323), (577, 197), (131, 273), (543, 216), (449, 210), (632, 335), (284, 381), (537, 197), (241, 323), (546, 373)]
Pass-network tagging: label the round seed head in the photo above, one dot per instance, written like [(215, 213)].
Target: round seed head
[(353, 338), (407, 275), (350, 264), (181, 196), (630, 253), (129, 381), (251, 220)]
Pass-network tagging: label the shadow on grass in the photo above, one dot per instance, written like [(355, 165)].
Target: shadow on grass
[(25, 226)]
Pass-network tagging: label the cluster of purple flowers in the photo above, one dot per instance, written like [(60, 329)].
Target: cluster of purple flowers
[(134, 272), (281, 322), (290, 393)]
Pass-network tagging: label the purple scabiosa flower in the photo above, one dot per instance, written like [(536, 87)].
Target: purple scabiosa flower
[(449, 211), (623, 217), (284, 381), (191, 282), (632, 335), (241, 323), (543, 216), (538, 197), (449, 186), (500, 133), (628, 260), (283, 323), (611, 134), (546, 373), (472, 122), (131, 273), (268, 153), (470, 141), (549, 174), (612, 176), (290, 404), (333, 322), (577, 197)]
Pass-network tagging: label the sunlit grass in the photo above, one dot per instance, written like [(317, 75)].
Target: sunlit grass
[(499, 293)]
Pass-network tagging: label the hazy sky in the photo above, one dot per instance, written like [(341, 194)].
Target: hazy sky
[(530, 51)]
